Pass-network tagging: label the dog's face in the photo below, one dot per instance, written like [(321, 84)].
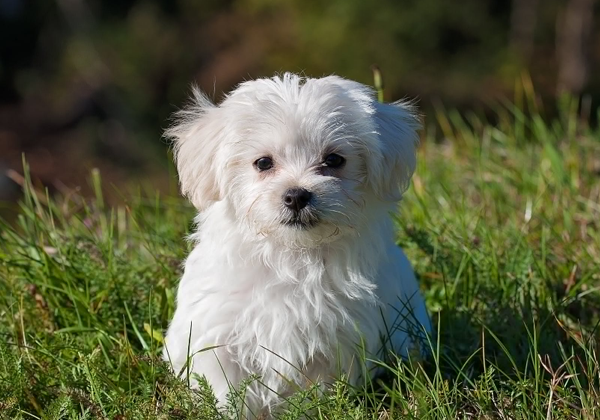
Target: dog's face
[(300, 161)]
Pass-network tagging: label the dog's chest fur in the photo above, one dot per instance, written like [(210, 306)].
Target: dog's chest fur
[(294, 312), (307, 323), (297, 315)]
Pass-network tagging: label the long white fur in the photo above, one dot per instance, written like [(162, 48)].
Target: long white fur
[(293, 306)]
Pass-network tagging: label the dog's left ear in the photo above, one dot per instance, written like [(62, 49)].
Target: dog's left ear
[(390, 170)]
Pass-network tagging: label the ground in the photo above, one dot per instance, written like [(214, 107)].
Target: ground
[(502, 224)]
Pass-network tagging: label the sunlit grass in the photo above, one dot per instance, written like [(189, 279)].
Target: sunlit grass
[(502, 224)]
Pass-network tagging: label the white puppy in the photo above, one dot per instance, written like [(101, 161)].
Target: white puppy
[(295, 276)]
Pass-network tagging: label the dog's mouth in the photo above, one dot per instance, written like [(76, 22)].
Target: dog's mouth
[(302, 221)]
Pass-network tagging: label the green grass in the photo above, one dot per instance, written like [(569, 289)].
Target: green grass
[(502, 224)]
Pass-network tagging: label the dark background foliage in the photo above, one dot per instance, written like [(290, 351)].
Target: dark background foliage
[(90, 83)]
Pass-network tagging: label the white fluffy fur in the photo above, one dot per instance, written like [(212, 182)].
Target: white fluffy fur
[(293, 305)]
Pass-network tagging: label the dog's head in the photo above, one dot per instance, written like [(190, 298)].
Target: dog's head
[(299, 160)]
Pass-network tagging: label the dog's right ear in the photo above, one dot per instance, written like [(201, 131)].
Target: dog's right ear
[(197, 135)]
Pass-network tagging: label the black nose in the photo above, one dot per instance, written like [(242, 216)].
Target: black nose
[(296, 198)]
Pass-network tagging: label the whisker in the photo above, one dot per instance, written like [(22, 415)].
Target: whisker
[(335, 232), (251, 205), (353, 200)]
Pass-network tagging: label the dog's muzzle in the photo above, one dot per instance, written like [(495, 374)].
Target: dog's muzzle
[(298, 202)]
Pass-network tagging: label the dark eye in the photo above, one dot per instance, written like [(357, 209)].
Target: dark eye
[(334, 161), (264, 164)]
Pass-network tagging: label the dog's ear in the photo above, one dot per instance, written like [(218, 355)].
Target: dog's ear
[(197, 136), (389, 171)]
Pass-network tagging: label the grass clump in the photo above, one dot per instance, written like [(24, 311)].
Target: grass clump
[(502, 225)]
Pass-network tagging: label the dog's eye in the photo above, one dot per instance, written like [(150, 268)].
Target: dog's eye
[(334, 161), (264, 163)]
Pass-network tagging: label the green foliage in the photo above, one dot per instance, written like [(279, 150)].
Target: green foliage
[(415, 38), (502, 225)]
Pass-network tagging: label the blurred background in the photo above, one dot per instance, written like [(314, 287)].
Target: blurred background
[(91, 84)]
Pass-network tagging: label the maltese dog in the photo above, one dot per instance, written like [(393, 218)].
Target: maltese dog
[(295, 278)]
